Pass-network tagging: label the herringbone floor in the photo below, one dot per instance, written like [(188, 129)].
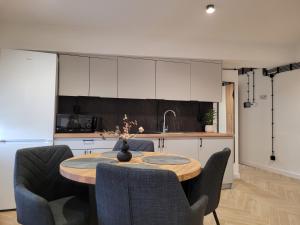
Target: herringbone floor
[(258, 198)]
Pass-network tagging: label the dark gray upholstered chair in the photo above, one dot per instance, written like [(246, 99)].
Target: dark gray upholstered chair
[(127, 196), (43, 196), (136, 145), (209, 182)]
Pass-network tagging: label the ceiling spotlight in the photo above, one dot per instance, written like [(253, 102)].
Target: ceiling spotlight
[(210, 9)]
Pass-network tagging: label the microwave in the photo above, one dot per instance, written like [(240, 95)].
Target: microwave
[(76, 123)]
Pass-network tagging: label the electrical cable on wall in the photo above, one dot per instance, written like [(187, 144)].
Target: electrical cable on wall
[(272, 157), (248, 104), (271, 73), (253, 88)]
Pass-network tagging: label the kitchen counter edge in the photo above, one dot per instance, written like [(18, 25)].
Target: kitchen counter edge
[(161, 135)]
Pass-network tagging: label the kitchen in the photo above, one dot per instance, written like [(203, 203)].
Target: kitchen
[(158, 108), (109, 87)]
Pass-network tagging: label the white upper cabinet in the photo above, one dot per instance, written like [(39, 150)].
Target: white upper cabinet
[(173, 80), (73, 75), (206, 81), (136, 78), (103, 77)]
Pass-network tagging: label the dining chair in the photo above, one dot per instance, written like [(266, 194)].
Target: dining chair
[(136, 145), (127, 196), (43, 196), (209, 182)]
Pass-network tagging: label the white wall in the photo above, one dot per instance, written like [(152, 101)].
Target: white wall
[(93, 41), (298, 53), (255, 124), (232, 76)]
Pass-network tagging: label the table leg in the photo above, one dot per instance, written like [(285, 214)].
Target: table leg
[(93, 205)]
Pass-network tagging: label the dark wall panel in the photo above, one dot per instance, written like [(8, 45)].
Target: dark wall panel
[(148, 113)]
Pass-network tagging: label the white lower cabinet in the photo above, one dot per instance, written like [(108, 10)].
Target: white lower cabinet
[(79, 152), (209, 146), (200, 149), (156, 143), (184, 147), (80, 146)]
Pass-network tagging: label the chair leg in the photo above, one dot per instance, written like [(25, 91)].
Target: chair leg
[(216, 217)]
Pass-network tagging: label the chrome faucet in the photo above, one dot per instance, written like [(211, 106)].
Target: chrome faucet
[(165, 129)]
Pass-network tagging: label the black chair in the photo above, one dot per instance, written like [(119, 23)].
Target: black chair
[(136, 145), (127, 196), (209, 182), (43, 196)]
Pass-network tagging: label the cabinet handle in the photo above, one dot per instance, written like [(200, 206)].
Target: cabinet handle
[(163, 144), (201, 144), (85, 152), (90, 151), (159, 144)]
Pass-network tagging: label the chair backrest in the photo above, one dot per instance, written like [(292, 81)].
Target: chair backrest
[(210, 180), (127, 196), (38, 170), (136, 145)]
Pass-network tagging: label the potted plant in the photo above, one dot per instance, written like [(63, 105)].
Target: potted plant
[(209, 117)]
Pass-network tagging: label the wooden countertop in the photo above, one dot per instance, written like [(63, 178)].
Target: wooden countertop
[(157, 135)]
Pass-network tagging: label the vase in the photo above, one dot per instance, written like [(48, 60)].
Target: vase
[(124, 155), (209, 128)]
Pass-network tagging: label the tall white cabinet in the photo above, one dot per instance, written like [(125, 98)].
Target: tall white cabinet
[(136, 78), (173, 80), (74, 75), (103, 77), (206, 81)]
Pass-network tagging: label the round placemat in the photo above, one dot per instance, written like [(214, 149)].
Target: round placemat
[(138, 165), (86, 163), (113, 154), (166, 160)]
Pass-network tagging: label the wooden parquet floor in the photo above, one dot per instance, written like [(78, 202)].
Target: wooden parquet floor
[(258, 198)]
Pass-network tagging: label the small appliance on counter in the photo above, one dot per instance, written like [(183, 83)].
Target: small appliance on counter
[(77, 123)]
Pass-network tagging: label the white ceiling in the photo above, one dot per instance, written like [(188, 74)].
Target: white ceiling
[(259, 22)]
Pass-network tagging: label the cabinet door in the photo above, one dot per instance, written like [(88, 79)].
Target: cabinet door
[(75, 143), (103, 77), (73, 75), (80, 146), (173, 80), (183, 147), (156, 142), (206, 81), (104, 145), (27, 94), (210, 146), (79, 152), (136, 78)]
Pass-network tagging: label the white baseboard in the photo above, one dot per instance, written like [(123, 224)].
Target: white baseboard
[(273, 169)]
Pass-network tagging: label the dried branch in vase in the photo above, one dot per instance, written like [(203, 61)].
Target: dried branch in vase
[(124, 133)]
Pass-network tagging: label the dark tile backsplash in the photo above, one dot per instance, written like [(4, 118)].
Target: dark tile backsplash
[(148, 113)]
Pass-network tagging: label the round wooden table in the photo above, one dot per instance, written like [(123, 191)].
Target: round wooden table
[(88, 176)]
